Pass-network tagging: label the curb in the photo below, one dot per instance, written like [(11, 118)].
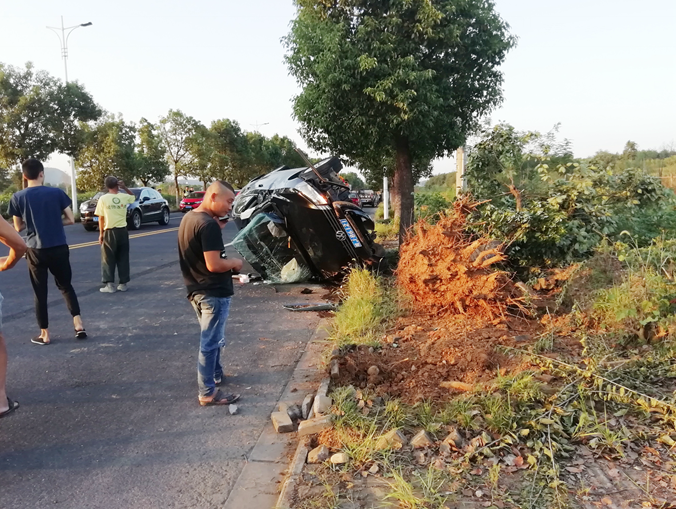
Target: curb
[(267, 465), (295, 469)]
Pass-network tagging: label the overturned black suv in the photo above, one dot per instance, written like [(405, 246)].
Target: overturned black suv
[(298, 224)]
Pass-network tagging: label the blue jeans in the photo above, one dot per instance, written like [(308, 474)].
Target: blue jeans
[(212, 313)]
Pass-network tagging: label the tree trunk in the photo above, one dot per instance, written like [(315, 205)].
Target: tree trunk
[(178, 198), (395, 202), (403, 183)]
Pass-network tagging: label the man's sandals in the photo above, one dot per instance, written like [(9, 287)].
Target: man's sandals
[(13, 405), (219, 398)]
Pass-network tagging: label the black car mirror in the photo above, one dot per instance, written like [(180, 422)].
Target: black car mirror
[(144, 199)]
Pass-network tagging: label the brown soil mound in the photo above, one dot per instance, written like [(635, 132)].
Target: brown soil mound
[(448, 271), (425, 351)]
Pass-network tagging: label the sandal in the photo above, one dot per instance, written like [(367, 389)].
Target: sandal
[(13, 405), (220, 399), (39, 340), (80, 334)]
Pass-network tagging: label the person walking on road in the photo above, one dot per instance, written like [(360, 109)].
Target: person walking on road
[(207, 274), (17, 248), (43, 211), (113, 235)]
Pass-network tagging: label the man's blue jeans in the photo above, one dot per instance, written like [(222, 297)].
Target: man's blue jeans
[(212, 313)]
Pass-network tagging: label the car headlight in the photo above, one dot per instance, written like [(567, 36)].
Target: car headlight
[(311, 194), (83, 207)]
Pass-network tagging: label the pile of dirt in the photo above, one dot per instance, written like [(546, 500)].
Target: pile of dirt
[(449, 271), (424, 353)]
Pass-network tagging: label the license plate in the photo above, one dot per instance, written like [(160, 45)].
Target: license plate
[(188, 208), (96, 219), (350, 233)]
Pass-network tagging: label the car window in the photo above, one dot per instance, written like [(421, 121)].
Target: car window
[(144, 194), (197, 194), (136, 192), (156, 195)]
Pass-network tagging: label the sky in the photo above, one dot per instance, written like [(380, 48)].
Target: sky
[(604, 69)]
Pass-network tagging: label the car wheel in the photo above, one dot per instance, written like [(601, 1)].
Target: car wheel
[(135, 220), (165, 217), (89, 227)]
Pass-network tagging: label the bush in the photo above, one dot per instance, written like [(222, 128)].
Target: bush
[(429, 206), (380, 211)]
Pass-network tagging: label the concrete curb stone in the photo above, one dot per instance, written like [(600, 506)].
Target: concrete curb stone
[(267, 467)]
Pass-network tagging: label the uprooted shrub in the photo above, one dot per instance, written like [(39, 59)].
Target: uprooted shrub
[(449, 271)]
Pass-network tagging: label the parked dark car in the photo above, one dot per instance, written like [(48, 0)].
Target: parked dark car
[(368, 198), (148, 207), (298, 224)]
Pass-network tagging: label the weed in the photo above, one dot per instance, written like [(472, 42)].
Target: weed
[(426, 417), (462, 410), (423, 493)]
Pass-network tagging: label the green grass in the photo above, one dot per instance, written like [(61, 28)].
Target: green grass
[(362, 316)]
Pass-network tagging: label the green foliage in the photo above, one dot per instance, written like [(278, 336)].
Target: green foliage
[(108, 150), (429, 206), (40, 115), (550, 209), (397, 81), (151, 160)]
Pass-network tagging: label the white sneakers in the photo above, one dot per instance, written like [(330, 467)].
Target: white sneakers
[(110, 288)]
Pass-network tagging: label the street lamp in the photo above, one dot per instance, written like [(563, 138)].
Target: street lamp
[(259, 125), (63, 39)]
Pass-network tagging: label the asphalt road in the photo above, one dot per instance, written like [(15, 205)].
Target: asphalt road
[(113, 421)]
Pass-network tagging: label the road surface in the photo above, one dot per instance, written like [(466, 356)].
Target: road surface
[(113, 421)]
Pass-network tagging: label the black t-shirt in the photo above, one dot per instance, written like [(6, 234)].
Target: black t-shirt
[(198, 233)]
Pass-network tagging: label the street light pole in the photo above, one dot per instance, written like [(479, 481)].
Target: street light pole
[(63, 39)]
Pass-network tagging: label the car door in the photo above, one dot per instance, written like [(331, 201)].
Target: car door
[(146, 205), (157, 202)]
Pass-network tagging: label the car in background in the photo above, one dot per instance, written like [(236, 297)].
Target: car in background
[(354, 198), (191, 201), (148, 207), (368, 198)]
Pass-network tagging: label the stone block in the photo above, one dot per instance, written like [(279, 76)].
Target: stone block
[(312, 426), (394, 439), (335, 369), (294, 412), (340, 458), (307, 406), (324, 387), (421, 439), (318, 454), (282, 422), (322, 405), (455, 439)]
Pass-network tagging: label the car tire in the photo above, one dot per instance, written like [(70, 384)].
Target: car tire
[(135, 220), (89, 227), (165, 217)]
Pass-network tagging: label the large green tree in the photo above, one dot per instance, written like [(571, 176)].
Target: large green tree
[(151, 154), (404, 77), (40, 115), (109, 150), (176, 131)]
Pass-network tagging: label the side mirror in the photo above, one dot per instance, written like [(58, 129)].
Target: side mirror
[(144, 199)]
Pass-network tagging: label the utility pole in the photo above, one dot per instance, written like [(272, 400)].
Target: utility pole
[(460, 164), (386, 196), (63, 39)]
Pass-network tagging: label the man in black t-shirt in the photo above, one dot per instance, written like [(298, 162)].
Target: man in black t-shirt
[(207, 274)]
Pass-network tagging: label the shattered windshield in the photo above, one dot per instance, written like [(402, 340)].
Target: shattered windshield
[(266, 245)]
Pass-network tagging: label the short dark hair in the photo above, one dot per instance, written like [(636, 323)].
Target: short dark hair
[(32, 168), (227, 185), (110, 182)]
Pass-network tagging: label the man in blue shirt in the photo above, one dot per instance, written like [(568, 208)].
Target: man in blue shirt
[(39, 209)]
